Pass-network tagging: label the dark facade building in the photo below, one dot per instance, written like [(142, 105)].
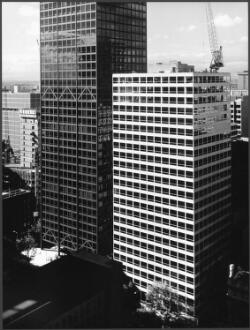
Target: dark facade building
[(244, 117), (82, 44), (238, 298), (76, 291), (18, 208), (240, 203)]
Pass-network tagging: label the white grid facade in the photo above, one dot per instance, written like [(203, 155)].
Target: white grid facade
[(171, 163)]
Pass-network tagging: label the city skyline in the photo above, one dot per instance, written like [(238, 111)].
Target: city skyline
[(168, 36), (125, 165)]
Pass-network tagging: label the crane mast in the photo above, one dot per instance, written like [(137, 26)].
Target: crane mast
[(217, 58)]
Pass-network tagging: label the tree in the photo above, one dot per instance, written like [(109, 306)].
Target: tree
[(27, 243), (164, 302)]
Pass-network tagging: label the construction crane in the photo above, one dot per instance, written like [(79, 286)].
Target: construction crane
[(217, 58)]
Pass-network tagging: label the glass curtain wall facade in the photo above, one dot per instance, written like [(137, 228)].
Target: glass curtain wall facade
[(82, 44)]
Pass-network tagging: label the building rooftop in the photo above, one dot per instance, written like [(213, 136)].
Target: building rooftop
[(13, 193), (41, 257), (53, 289), (163, 74)]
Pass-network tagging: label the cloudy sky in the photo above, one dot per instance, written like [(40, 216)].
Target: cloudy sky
[(176, 31)]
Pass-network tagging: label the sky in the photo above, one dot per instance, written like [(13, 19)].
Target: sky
[(175, 31)]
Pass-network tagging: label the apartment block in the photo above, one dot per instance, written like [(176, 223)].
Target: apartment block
[(171, 172)]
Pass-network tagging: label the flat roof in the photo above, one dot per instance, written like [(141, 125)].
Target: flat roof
[(165, 74), (51, 290)]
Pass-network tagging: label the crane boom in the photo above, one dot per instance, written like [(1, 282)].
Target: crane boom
[(217, 58)]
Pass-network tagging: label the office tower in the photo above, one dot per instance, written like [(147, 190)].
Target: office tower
[(82, 44), (243, 80), (12, 103), (171, 163)]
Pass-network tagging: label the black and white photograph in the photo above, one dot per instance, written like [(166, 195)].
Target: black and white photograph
[(125, 151)]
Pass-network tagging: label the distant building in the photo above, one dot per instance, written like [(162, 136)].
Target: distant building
[(18, 208), (245, 116), (29, 126), (171, 66), (243, 80), (28, 175), (11, 129), (20, 100), (177, 66), (237, 93), (239, 115), (12, 103)]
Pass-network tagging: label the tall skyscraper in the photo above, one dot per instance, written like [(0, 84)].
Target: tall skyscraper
[(82, 44), (171, 157)]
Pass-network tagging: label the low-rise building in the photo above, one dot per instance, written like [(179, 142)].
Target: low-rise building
[(80, 290), (18, 208)]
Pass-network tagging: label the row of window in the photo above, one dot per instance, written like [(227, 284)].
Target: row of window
[(65, 8), (211, 159), (158, 140), (170, 100), (153, 223), (160, 160), (169, 79), (159, 211), (158, 130), (117, 109), (163, 151), (221, 205), (135, 166), (153, 208), (167, 89), (211, 169), (150, 198), (150, 119), (159, 235), (154, 169), (166, 262), (155, 189)]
